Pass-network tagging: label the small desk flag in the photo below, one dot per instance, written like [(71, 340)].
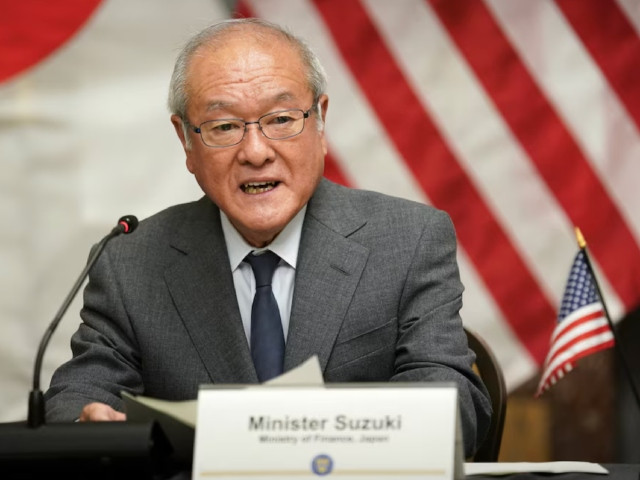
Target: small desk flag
[(582, 327)]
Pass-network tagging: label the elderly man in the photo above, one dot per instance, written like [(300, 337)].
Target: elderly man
[(367, 282)]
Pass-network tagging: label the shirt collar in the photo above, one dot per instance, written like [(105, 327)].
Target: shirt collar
[(285, 245)]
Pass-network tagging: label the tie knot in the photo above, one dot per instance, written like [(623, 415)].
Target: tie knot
[(263, 266)]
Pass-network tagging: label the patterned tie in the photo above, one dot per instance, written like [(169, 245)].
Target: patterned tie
[(267, 339)]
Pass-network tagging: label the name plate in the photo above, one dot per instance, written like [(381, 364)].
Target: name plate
[(359, 431)]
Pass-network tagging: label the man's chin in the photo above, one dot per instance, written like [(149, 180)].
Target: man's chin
[(260, 233)]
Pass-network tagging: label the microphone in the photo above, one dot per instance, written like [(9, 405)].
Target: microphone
[(36, 413), (79, 450)]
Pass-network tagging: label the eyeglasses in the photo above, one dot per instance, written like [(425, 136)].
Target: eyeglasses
[(227, 132)]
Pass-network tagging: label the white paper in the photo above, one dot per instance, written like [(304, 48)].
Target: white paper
[(185, 411), (307, 373), (508, 468)]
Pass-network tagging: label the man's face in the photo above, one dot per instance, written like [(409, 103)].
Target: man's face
[(246, 77)]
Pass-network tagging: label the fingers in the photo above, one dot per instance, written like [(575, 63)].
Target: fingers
[(100, 412)]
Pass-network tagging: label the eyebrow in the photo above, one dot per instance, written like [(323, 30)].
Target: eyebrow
[(218, 105), (222, 105)]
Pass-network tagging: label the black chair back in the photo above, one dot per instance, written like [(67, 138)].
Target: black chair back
[(491, 374)]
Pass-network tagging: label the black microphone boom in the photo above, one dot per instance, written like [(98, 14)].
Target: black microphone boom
[(36, 412)]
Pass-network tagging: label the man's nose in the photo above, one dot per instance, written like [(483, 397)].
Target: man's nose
[(255, 148)]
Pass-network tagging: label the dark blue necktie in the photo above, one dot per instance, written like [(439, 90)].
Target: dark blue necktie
[(267, 339)]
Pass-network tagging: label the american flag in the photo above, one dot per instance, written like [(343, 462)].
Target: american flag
[(518, 118), (582, 329)]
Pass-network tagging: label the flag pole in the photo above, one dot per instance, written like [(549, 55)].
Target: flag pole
[(616, 343)]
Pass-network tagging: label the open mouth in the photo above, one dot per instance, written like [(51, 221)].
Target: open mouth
[(258, 187)]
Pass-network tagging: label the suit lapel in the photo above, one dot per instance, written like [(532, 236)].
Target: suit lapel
[(201, 285), (328, 271)]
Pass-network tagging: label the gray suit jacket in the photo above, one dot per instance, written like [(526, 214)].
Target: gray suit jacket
[(376, 298)]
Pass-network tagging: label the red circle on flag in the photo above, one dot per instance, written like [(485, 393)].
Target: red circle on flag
[(30, 30)]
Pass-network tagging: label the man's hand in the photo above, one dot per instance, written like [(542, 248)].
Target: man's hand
[(100, 412)]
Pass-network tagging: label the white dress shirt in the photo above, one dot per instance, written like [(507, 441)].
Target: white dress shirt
[(285, 245)]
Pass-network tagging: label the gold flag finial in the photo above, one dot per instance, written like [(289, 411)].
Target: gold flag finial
[(581, 241)]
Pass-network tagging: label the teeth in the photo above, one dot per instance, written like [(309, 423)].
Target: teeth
[(256, 187)]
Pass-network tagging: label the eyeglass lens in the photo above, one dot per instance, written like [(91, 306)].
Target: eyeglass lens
[(276, 126)]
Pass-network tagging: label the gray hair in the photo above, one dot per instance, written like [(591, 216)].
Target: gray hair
[(178, 97)]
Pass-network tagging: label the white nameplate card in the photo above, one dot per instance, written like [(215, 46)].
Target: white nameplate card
[(357, 431)]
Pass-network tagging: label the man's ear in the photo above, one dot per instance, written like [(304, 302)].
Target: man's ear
[(323, 101), (177, 125)]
